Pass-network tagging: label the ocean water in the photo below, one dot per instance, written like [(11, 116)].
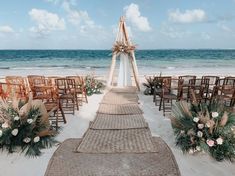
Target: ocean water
[(72, 62)]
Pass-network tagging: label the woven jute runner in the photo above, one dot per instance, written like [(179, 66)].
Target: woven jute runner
[(119, 109), (109, 121), (124, 90), (117, 141), (65, 162)]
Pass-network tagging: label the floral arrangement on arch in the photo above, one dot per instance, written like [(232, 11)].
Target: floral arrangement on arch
[(207, 128), (92, 85), (121, 47), (24, 126)]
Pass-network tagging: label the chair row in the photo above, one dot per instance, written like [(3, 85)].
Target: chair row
[(61, 95), (204, 89)]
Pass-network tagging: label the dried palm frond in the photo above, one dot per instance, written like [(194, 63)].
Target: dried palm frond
[(224, 119), (212, 125), (121, 47), (46, 133)]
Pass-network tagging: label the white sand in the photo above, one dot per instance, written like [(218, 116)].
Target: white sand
[(189, 165), (199, 165), (18, 165)]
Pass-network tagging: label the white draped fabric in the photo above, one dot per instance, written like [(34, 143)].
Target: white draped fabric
[(124, 76)]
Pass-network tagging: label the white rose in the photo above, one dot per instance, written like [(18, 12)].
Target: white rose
[(0, 133), (182, 132), (36, 139), (219, 141), (191, 151), (16, 118), (199, 134), (30, 121), (198, 148), (27, 140), (5, 125), (14, 132), (196, 119), (215, 114), (200, 125)]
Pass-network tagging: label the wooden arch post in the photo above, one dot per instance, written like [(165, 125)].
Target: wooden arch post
[(122, 41)]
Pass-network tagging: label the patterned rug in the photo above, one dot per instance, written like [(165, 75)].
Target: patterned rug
[(65, 162), (109, 121)]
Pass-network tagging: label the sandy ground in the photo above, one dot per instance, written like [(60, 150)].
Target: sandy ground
[(190, 165), (18, 165)]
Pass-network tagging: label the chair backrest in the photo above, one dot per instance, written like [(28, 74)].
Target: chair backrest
[(79, 82), (36, 80), (176, 87), (61, 85), (213, 80), (51, 80), (162, 80), (186, 78), (16, 86), (229, 81)]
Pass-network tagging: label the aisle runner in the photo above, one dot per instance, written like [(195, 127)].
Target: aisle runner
[(118, 142)]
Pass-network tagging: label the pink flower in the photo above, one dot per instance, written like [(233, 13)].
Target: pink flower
[(210, 142)]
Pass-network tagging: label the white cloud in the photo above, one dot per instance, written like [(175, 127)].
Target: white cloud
[(77, 17), (189, 16), (133, 14), (45, 22), (224, 27), (6, 29)]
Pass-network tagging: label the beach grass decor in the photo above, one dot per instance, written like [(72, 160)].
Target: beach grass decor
[(24, 127), (151, 83), (204, 128), (92, 85)]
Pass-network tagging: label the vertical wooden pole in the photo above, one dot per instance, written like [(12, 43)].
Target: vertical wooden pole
[(135, 70), (112, 68)]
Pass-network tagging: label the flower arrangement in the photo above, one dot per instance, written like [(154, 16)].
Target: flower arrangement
[(25, 126), (120, 47), (202, 127), (92, 85), (151, 82)]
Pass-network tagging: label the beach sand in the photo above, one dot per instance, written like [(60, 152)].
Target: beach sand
[(190, 165)]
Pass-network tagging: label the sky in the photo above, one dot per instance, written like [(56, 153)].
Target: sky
[(92, 24)]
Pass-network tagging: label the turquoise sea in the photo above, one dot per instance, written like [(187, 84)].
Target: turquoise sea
[(56, 62)]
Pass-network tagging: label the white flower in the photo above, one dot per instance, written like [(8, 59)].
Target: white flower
[(30, 121), (198, 148), (36, 139), (14, 132), (208, 125), (210, 143), (16, 118), (215, 114), (219, 141), (190, 151), (199, 134), (196, 119), (182, 132), (200, 126), (5, 125), (0, 133), (27, 140)]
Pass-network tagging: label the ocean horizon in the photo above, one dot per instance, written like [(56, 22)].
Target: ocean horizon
[(153, 61)]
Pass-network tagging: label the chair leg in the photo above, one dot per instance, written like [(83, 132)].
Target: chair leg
[(62, 113), (76, 99), (163, 107), (86, 97), (160, 105)]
